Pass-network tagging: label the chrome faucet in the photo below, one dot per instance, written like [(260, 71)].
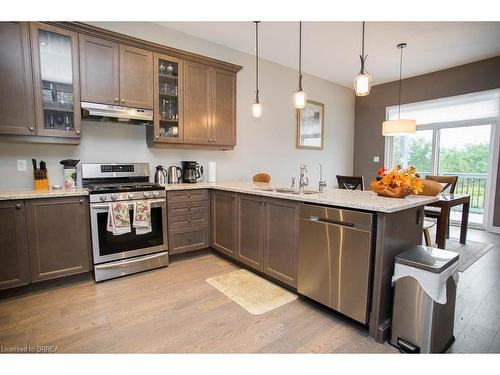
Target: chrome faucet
[(322, 183), (304, 180)]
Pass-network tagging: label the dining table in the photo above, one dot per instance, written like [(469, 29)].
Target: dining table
[(445, 202)]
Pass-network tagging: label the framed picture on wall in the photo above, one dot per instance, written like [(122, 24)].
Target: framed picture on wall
[(310, 126)]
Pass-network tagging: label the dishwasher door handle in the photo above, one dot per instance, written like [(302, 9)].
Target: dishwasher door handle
[(330, 221)]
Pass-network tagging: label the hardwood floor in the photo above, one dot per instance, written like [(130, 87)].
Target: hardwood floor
[(173, 310)]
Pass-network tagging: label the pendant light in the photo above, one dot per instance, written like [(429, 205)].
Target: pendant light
[(300, 97), (363, 81), (400, 126), (256, 106)]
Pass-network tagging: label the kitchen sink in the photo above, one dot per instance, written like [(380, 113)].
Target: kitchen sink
[(288, 190)]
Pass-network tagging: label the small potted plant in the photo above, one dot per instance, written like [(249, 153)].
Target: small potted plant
[(397, 183)]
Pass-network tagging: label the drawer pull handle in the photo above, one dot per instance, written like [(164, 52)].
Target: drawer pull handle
[(189, 195), (18, 206), (189, 220), (189, 238), (189, 208), (81, 201)]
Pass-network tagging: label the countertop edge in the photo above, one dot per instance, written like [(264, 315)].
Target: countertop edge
[(9, 195)]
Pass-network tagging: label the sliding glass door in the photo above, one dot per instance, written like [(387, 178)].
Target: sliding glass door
[(455, 148)]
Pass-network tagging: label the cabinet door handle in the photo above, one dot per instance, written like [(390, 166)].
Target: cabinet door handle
[(189, 195), (189, 238), (189, 220), (18, 206), (265, 203), (78, 132), (157, 136), (31, 129), (123, 100), (189, 208), (81, 201), (117, 100)]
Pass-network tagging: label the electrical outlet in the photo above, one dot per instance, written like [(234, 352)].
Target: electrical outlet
[(22, 166), (376, 159)]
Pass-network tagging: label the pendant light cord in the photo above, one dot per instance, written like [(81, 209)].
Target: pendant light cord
[(362, 57), (400, 77), (300, 55), (256, 61)]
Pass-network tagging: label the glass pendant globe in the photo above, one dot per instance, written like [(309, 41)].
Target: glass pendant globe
[(362, 84), (256, 110), (299, 99)]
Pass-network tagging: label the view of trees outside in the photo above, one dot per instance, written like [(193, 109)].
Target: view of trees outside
[(463, 151)]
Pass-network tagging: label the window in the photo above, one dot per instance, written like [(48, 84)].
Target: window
[(454, 137)]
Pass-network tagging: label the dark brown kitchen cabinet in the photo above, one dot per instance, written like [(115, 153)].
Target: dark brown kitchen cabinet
[(223, 220), (281, 234), (58, 237), (209, 105), (99, 70), (197, 103), (223, 127), (17, 111), (56, 79), (250, 230), (14, 266), (136, 77)]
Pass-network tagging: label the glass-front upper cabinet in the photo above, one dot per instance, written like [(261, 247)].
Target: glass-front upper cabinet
[(56, 81), (168, 102)]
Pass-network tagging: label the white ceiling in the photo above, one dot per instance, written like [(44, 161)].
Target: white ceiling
[(331, 49)]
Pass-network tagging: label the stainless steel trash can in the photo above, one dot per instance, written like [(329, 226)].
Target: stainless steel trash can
[(419, 323)]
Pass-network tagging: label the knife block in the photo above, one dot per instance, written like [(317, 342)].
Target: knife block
[(41, 180)]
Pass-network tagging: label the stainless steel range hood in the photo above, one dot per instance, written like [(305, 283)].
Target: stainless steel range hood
[(105, 112)]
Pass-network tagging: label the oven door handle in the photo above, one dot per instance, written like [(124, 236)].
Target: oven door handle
[(154, 203)]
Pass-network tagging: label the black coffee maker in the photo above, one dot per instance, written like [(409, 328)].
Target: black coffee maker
[(191, 171)]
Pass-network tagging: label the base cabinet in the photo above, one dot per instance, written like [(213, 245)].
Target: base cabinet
[(223, 212), (281, 238), (260, 232), (14, 266), (58, 237)]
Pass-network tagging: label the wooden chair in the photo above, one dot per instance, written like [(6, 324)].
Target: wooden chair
[(351, 182), (431, 188), (449, 183), (262, 177)]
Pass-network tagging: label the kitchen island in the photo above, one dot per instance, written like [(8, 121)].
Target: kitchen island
[(258, 227)]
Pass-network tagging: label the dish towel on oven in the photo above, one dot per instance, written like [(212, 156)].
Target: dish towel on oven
[(142, 217), (118, 219)]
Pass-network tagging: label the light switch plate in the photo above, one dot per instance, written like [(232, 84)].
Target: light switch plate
[(22, 166), (376, 159)]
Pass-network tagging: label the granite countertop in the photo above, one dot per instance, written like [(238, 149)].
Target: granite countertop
[(362, 200), (34, 194)]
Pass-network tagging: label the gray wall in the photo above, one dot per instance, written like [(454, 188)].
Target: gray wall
[(267, 144), (371, 110)]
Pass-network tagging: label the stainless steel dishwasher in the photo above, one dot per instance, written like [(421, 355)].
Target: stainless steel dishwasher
[(335, 248)]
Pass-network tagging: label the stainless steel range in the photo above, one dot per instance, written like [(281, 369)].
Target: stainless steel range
[(134, 251)]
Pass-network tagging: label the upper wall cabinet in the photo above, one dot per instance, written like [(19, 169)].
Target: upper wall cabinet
[(113, 73), (17, 111), (210, 105), (99, 70), (56, 81)]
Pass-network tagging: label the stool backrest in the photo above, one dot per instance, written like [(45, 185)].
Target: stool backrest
[(351, 182), (446, 181)]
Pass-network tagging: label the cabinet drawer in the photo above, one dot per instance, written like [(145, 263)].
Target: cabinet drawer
[(187, 196), (188, 221), (182, 240), (186, 208)]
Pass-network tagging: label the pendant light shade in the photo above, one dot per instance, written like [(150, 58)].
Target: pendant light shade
[(400, 126), (363, 81), (300, 97), (256, 106)]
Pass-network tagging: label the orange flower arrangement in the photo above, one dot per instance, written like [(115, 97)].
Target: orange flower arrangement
[(397, 183)]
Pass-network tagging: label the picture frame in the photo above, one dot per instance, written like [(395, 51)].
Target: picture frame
[(310, 126)]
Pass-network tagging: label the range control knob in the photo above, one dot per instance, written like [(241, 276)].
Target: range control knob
[(103, 198), (113, 197), (155, 193), (146, 194), (130, 195)]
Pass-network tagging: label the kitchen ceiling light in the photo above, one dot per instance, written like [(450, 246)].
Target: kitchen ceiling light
[(256, 106), (363, 81), (300, 97), (400, 126)]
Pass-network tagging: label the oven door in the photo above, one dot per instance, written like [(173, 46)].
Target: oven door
[(107, 247)]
